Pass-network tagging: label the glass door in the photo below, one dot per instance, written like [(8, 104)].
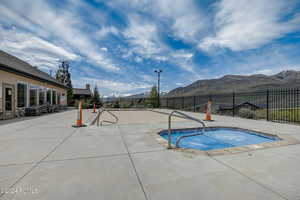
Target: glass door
[(8, 97)]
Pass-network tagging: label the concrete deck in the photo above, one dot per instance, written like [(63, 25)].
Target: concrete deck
[(45, 158)]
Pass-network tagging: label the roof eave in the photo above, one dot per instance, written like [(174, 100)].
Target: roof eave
[(28, 75)]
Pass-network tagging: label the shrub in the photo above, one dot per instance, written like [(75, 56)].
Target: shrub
[(85, 105), (76, 103), (116, 105), (261, 114), (246, 113), (126, 105)]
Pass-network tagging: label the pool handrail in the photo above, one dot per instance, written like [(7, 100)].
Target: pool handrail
[(97, 119), (109, 112), (184, 116), (184, 136)]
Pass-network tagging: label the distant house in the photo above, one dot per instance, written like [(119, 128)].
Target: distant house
[(24, 86), (227, 109), (82, 94), (247, 105)]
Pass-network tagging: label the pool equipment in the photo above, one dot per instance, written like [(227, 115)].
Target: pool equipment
[(186, 117)]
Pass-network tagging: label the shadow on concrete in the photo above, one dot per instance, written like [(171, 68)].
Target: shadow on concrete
[(19, 119)]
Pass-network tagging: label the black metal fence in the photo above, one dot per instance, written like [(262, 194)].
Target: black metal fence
[(280, 105)]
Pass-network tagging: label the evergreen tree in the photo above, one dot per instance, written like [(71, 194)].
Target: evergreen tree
[(63, 75), (153, 98), (96, 95)]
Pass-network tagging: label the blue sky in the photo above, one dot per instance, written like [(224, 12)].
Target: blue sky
[(117, 44)]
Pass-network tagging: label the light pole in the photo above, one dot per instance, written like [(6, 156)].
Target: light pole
[(158, 71)]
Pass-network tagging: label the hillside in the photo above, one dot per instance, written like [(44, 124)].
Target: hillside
[(141, 95), (144, 95), (239, 83)]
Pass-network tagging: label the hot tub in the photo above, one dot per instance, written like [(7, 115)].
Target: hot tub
[(217, 138)]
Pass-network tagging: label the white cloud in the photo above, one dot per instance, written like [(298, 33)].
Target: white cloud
[(277, 69), (116, 86), (115, 94), (243, 24), (107, 30), (179, 84), (142, 35), (148, 78), (268, 60), (264, 71), (184, 60), (45, 33), (138, 59), (10, 17), (63, 24), (187, 20), (32, 49), (182, 54), (104, 49), (183, 18)]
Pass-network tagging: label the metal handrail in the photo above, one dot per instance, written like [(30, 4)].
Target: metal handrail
[(104, 110), (97, 119), (151, 107), (184, 136), (186, 117)]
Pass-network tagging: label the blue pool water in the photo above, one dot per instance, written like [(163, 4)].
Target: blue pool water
[(217, 138)]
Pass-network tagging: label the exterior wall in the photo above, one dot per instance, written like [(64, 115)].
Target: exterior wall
[(13, 79), (81, 97)]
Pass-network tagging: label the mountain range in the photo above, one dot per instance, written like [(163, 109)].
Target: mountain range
[(239, 83)]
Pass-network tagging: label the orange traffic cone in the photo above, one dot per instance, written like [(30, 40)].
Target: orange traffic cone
[(79, 120), (208, 111), (94, 111)]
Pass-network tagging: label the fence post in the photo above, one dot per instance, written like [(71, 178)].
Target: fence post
[(297, 106), (194, 103), (268, 105), (182, 103), (167, 102), (233, 104)]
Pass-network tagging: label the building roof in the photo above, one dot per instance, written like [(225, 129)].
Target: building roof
[(229, 106), (15, 65), (249, 104), (82, 91)]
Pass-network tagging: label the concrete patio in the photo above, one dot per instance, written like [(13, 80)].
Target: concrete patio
[(45, 158)]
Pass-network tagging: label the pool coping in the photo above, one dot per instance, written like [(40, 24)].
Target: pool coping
[(283, 141)]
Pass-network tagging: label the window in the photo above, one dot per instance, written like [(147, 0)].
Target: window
[(63, 98), (22, 94), (58, 97), (8, 99), (33, 95), (48, 96), (42, 94), (54, 97)]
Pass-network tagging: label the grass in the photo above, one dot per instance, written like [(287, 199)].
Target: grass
[(291, 115), (284, 114)]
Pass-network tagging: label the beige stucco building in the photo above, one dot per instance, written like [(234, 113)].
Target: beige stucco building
[(22, 85)]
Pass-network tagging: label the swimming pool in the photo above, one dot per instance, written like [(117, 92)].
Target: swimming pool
[(217, 138)]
